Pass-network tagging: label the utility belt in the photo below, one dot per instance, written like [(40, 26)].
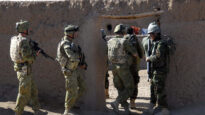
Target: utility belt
[(23, 63), (24, 67)]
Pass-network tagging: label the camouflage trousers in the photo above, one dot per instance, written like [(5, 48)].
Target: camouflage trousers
[(158, 87), (123, 81), (75, 87), (153, 99), (27, 92), (134, 72)]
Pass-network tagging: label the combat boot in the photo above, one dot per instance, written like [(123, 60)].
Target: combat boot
[(115, 105), (66, 112), (36, 112), (127, 111), (132, 104), (107, 93), (151, 108)]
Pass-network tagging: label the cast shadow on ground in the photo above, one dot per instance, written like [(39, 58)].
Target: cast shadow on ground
[(139, 107), (121, 112), (143, 98), (11, 112), (52, 105)]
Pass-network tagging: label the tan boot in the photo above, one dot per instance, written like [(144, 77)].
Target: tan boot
[(66, 112), (107, 93), (132, 104)]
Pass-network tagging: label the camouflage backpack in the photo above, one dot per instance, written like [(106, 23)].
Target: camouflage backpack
[(116, 53), (171, 45), (63, 59), (15, 49), (61, 56)]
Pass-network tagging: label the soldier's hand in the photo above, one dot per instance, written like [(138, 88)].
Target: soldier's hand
[(38, 52), (147, 59)]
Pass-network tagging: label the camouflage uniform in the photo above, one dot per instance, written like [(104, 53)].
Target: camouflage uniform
[(158, 59), (121, 61), (123, 79), (23, 55), (159, 67), (69, 58), (134, 68), (145, 45)]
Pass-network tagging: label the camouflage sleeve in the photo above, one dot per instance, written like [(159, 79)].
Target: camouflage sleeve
[(160, 52), (26, 51), (130, 48), (145, 45), (72, 55)]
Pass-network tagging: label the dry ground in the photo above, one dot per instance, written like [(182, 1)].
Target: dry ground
[(7, 106), (142, 101)]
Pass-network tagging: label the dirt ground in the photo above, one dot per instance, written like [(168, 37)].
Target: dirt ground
[(7, 102), (7, 106)]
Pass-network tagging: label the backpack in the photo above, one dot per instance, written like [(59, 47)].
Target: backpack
[(15, 50), (116, 52), (170, 43), (61, 56), (171, 46)]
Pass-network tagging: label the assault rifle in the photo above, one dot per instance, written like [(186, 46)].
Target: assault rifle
[(82, 58), (149, 72), (37, 48)]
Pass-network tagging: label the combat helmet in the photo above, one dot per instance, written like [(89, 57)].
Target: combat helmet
[(22, 26), (120, 28), (70, 28), (153, 28)]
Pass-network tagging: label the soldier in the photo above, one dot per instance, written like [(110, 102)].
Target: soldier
[(145, 42), (118, 48), (71, 60), (134, 68), (158, 59), (23, 55)]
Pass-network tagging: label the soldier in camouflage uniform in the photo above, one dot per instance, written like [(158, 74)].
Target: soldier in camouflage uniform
[(134, 68), (158, 59), (153, 97), (69, 57), (23, 56), (118, 48)]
